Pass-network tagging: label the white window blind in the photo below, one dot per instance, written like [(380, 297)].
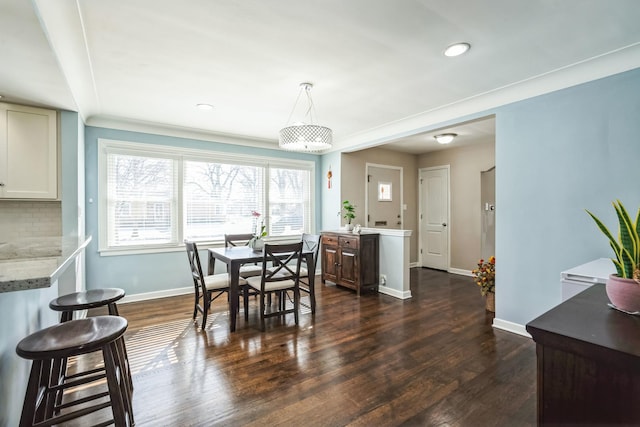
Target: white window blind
[(289, 204), (141, 200), (219, 199)]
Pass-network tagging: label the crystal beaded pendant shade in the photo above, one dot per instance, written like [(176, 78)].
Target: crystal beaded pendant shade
[(302, 136)]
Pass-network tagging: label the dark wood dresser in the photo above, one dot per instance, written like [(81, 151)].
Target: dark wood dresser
[(351, 260), (588, 359)]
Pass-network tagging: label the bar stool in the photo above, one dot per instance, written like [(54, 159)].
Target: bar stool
[(85, 300), (64, 340)]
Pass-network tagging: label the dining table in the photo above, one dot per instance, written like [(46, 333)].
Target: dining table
[(235, 257)]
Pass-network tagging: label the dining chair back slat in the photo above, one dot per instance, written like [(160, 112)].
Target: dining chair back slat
[(280, 274)]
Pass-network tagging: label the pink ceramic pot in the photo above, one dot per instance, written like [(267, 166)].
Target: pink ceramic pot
[(623, 293)]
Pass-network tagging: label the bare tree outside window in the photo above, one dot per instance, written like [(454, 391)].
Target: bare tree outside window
[(219, 198), (287, 201), (140, 198)]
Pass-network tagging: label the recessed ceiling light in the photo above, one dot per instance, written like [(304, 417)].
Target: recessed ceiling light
[(205, 107), (445, 138), (457, 49)]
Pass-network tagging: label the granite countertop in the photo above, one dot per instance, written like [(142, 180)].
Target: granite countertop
[(37, 262)]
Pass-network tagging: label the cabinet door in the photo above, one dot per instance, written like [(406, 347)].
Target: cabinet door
[(330, 263), (349, 270), (28, 163)]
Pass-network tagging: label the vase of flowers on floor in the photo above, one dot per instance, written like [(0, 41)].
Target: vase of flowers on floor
[(257, 242), (485, 277)]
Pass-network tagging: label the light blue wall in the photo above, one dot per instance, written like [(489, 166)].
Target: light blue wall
[(556, 155), (71, 141), (150, 272), (331, 198)]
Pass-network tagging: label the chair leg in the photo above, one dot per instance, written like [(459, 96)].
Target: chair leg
[(114, 386), (262, 308), (312, 294), (31, 395), (246, 303), (195, 305), (296, 304), (206, 303), (126, 384)]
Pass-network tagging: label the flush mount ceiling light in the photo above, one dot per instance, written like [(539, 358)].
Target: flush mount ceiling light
[(457, 49), (204, 107), (302, 136), (445, 138)]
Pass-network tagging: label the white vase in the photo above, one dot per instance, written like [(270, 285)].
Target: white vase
[(257, 244), (348, 227)]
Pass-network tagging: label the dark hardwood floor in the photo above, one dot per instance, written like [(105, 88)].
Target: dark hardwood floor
[(432, 360)]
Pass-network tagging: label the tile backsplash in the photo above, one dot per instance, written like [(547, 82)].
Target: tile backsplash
[(29, 219)]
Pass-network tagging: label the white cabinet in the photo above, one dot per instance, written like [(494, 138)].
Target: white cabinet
[(28, 153)]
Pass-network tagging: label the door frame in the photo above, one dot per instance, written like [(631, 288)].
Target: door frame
[(420, 210), (366, 189)]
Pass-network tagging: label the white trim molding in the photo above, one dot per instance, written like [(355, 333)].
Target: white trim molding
[(460, 272), (156, 294), (512, 327), (394, 292)]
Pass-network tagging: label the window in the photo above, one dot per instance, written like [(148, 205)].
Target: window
[(155, 197), (288, 207), (219, 199), (139, 188)]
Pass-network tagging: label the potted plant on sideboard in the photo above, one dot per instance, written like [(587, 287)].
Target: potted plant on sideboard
[(623, 288), (349, 214)]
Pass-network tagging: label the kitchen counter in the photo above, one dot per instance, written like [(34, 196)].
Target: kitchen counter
[(37, 262)]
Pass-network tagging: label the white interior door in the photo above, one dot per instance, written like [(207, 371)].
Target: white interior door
[(384, 196), (434, 217)]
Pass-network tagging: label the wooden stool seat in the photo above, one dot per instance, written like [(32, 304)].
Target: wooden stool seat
[(42, 403), (85, 300), (71, 339)]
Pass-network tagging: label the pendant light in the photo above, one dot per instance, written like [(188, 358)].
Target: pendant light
[(302, 136)]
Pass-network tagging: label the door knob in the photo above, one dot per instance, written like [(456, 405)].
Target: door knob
[(444, 224)]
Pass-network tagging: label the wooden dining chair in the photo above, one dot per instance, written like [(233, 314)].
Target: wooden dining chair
[(231, 240), (207, 288), (310, 243), (281, 277)]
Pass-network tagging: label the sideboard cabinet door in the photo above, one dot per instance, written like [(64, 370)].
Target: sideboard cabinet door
[(351, 260)]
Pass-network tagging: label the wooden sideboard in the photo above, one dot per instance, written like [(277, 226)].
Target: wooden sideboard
[(351, 260), (588, 357)]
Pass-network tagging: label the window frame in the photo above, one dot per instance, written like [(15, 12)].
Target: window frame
[(179, 155)]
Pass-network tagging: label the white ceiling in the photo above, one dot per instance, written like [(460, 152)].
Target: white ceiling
[(377, 65)]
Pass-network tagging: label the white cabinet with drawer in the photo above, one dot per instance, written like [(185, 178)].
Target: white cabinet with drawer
[(28, 153)]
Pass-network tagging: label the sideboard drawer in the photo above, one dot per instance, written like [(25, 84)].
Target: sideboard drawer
[(349, 242), (330, 240)]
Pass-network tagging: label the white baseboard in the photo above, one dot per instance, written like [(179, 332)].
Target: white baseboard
[(514, 328), (460, 271), (394, 292), (157, 294), (414, 264)]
